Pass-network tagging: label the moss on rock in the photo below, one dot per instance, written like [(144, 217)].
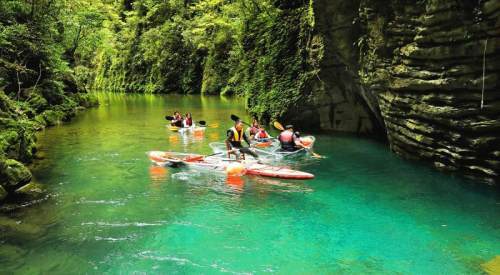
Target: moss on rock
[(13, 173)]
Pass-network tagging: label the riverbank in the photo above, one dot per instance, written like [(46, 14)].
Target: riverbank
[(19, 121)]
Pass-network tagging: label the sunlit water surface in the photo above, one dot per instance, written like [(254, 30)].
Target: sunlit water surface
[(110, 211)]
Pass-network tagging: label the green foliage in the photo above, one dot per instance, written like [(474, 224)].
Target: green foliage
[(41, 41), (253, 48)]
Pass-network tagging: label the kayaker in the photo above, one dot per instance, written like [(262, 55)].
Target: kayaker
[(253, 129), (177, 121), (188, 121), (290, 140), (262, 135), (233, 141)]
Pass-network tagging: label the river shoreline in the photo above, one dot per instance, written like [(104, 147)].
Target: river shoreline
[(19, 125)]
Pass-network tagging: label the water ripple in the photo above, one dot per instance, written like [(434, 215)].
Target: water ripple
[(129, 224)]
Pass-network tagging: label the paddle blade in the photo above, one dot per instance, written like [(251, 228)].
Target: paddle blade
[(278, 126), (202, 122), (234, 118), (169, 117)]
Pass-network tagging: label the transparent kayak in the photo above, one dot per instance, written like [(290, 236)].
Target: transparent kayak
[(272, 151), (219, 163)]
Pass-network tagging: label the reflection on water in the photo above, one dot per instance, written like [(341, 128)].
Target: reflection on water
[(158, 173), (236, 183), (110, 211)]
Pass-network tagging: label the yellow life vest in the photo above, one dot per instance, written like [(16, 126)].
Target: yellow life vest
[(237, 136)]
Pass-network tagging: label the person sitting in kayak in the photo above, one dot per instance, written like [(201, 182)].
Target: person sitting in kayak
[(177, 121), (252, 130), (188, 121), (262, 135), (234, 137), (290, 140)]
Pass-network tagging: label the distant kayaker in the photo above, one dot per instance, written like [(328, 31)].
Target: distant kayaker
[(234, 137), (188, 121), (177, 121), (290, 140)]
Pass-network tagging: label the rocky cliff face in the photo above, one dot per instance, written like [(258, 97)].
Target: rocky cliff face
[(424, 72)]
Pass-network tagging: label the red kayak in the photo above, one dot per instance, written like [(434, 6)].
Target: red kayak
[(276, 172), (218, 163)]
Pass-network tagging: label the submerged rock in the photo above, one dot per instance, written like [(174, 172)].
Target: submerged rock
[(31, 189), (492, 267)]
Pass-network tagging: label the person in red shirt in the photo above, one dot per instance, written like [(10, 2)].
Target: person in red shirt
[(290, 140), (188, 121), (261, 134)]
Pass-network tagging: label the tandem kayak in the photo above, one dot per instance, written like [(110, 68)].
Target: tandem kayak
[(219, 163), (272, 150)]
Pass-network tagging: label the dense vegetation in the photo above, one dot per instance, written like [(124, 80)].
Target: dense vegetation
[(209, 47), (40, 48), (53, 51)]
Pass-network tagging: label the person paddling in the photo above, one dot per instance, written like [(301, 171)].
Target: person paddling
[(235, 135), (290, 140), (177, 121)]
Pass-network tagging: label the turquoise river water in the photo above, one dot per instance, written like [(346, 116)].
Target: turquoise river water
[(109, 211)]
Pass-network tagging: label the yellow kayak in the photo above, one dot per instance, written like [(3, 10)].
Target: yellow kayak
[(173, 128)]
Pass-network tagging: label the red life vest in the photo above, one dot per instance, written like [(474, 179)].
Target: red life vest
[(262, 134), (189, 121)]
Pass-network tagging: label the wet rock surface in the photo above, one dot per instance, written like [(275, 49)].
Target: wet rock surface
[(426, 74)]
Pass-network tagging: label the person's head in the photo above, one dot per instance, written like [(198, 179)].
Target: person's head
[(238, 125), (261, 128), (289, 127), (176, 113), (188, 115)]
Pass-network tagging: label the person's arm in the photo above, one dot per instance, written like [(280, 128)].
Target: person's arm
[(245, 137), (228, 141), (298, 143)]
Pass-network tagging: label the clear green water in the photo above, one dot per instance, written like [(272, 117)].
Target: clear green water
[(366, 212)]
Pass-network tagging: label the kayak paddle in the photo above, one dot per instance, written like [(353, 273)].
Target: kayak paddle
[(201, 122), (280, 127), (236, 118)]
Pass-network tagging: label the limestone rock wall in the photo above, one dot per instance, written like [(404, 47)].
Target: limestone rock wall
[(341, 102), (414, 68)]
